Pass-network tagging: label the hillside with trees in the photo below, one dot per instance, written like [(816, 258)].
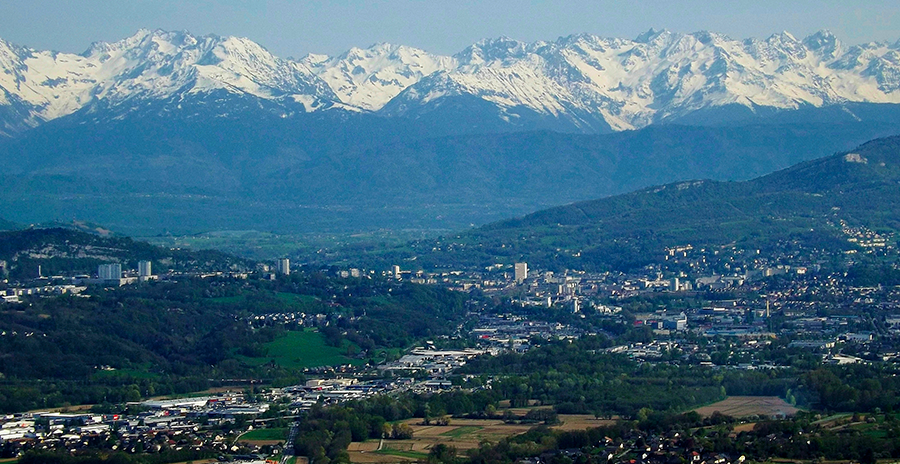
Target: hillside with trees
[(811, 203), (184, 331)]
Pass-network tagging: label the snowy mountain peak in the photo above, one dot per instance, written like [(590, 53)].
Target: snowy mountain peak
[(490, 50), (783, 37), (155, 65), (313, 59), (648, 36), (369, 78), (822, 38), (583, 80), (824, 43), (143, 39)]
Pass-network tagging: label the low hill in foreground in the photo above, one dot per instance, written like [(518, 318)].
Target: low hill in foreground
[(188, 333), (813, 202)]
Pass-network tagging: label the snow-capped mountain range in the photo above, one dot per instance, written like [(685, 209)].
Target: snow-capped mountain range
[(580, 79)]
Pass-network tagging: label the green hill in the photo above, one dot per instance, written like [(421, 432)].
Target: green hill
[(69, 251), (805, 203), (180, 335)]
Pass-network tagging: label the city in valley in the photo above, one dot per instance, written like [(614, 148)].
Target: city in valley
[(505, 232), (713, 310)]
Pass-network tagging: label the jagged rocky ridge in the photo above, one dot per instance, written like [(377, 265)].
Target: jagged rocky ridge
[(584, 82)]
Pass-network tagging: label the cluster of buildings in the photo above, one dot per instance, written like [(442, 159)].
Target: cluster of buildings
[(638, 447), (164, 425), (867, 238), (518, 333), (108, 275), (336, 390), (785, 293), (435, 363), (14, 294), (112, 274)]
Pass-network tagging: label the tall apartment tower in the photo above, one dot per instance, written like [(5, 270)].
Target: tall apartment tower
[(283, 266), (109, 271), (521, 272), (145, 270)]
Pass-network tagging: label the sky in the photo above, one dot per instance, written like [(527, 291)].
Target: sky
[(295, 28)]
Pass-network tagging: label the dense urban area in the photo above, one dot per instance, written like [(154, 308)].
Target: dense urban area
[(530, 365)]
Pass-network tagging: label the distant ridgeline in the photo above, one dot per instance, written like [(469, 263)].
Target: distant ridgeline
[(813, 202), (177, 173), (70, 252)]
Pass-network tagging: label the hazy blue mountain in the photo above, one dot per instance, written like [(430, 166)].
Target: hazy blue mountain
[(186, 171), (810, 203), (7, 225)]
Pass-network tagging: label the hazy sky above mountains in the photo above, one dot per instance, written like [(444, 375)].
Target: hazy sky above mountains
[(295, 28)]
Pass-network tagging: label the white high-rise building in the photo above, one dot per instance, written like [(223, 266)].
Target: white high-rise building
[(109, 271), (674, 284), (283, 266), (145, 270), (521, 272)]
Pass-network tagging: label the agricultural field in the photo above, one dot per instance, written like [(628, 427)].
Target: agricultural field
[(582, 422), (463, 434), (265, 436), (303, 349), (743, 406)]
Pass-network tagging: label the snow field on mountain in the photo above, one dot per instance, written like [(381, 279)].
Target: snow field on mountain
[(627, 83)]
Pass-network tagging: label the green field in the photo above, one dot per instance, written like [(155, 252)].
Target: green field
[(302, 349), (460, 431), (404, 454), (266, 434), (872, 430)]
